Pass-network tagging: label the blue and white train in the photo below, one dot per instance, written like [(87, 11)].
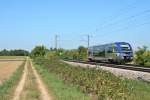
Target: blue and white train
[(114, 52)]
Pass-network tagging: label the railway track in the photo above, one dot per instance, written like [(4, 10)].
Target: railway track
[(125, 66)]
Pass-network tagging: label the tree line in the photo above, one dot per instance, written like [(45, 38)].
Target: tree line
[(40, 51), (16, 52)]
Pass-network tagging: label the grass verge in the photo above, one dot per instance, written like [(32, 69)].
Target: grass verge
[(6, 89), (140, 90), (58, 88), (102, 84)]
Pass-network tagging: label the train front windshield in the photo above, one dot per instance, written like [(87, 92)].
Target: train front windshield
[(125, 47)]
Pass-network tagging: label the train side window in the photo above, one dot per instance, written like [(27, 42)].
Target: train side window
[(89, 53), (115, 49)]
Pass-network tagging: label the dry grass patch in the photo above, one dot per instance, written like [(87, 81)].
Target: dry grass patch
[(8, 87), (12, 57), (7, 69)]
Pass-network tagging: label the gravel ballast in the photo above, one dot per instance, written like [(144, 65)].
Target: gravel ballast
[(130, 74)]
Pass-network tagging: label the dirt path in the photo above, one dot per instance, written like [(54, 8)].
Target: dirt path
[(31, 84), (30, 90)]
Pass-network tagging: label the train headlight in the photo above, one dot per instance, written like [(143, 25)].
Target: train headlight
[(118, 54)]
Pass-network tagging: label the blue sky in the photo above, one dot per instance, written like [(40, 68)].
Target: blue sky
[(26, 23)]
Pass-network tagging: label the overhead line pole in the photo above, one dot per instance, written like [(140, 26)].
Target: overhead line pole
[(88, 44), (56, 41), (88, 40)]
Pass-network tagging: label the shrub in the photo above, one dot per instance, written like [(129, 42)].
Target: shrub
[(38, 51), (142, 56), (51, 55)]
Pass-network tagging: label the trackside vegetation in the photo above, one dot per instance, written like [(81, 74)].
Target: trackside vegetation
[(58, 89), (41, 51), (6, 89), (99, 84), (142, 56)]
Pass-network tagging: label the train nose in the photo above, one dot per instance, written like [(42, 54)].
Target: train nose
[(127, 56)]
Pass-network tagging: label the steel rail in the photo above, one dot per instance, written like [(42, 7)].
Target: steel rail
[(125, 66)]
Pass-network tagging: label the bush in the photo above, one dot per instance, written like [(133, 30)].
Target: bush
[(82, 53), (75, 54), (142, 56), (39, 51), (51, 55)]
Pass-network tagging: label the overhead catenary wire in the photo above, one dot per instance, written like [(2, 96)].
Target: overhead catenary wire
[(136, 26), (127, 19), (132, 16), (127, 27), (113, 17)]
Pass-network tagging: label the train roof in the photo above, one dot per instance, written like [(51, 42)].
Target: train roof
[(110, 44), (121, 42)]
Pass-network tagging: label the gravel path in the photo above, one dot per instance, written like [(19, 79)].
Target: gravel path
[(118, 72)]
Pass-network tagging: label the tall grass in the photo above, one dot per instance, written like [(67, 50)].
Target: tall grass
[(58, 89), (101, 84)]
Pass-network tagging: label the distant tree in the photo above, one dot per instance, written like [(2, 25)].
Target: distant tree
[(4, 53), (51, 49), (19, 52), (39, 51), (16, 52)]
